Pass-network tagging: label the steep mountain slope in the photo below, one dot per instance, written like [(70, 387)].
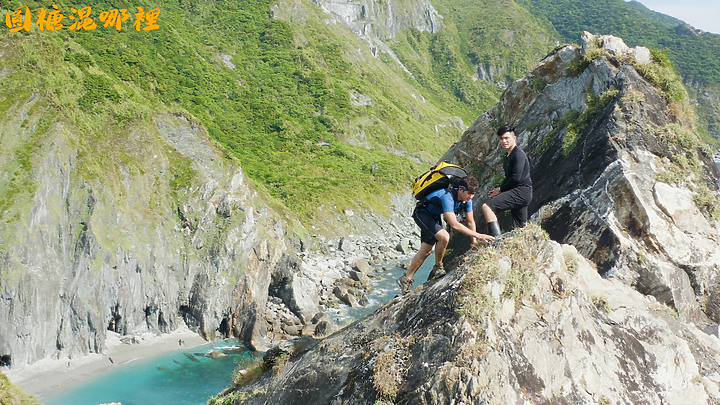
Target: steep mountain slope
[(654, 15), (164, 170), (121, 227), (694, 53), (526, 319)]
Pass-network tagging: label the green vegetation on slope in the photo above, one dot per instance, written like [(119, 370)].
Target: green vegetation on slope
[(498, 37), (12, 395), (284, 110), (513, 266)]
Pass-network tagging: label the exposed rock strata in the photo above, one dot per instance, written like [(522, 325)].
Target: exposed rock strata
[(606, 195), (570, 337)]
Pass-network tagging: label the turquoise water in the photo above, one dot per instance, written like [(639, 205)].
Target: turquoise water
[(383, 291), (192, 376), (184, 377)]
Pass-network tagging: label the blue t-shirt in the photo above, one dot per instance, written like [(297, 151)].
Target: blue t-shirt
[(440, 201)]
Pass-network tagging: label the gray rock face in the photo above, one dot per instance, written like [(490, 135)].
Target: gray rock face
[(142, 254), (372, 21), (601, 173), (563, 335), (381, 20), (85, 260)]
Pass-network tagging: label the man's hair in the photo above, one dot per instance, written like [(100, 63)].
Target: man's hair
[(470, 184), (505, 128)]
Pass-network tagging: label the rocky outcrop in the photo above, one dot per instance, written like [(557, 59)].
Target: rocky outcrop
[(616, 170), (608, 296), (382, 20), (522, 320), (375, 22)]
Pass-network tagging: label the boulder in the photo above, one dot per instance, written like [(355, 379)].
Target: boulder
[(405, 246), (362, 265), (325, 328), (298, 293), (361, 277), (348, 246), (345, 296)]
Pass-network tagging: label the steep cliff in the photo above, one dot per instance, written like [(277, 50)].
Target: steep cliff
[(608, 296), (146, 228), (123, 204), (522, 320), (617, 169), (81, 258)]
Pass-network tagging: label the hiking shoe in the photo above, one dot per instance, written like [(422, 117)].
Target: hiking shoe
[(437, 271), (405, 284)]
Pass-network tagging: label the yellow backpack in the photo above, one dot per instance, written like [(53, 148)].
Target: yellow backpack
[(442, 175)]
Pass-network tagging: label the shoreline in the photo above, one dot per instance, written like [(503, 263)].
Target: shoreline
[(48, 378)]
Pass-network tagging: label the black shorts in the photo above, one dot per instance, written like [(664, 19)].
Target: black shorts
[(516, 200), (429, 225)]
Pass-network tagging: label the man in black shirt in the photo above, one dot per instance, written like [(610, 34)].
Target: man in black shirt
[(515, 192)]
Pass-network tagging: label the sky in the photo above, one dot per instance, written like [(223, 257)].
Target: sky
[(702, 14)]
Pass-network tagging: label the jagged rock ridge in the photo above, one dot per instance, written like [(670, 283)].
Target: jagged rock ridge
[(544, 327), (608, 156), (527, 319)]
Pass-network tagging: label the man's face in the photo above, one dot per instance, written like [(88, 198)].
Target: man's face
[(507, 140), (464, 195)]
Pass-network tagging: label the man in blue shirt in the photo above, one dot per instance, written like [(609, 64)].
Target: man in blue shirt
[(447, 203)]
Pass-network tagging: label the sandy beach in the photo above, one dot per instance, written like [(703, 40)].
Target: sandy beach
[(47, 377)]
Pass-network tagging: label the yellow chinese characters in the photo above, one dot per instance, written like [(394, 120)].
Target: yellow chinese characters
[(17, 20), (84, 21), (149, 18), (51, 19), (114, 18)]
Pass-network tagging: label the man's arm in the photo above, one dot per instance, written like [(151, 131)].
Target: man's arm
[(470, 218), (451, 220)]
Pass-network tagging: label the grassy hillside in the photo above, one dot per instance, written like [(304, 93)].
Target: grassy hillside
[(498, 37), (279, 97), (305, 108), (12, 395)]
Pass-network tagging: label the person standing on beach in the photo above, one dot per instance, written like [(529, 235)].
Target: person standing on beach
[(515, 193)]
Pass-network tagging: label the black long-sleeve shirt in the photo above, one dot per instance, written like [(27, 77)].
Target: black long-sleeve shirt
[(517, 170)]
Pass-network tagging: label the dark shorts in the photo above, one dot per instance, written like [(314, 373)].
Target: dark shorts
[(429, 225), (516, 200)]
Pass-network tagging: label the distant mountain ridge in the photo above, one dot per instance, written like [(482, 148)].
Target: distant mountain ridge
[(657, 16), (696, 55)]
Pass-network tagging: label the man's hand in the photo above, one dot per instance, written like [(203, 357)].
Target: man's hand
[(486, 238), (494, 192)]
